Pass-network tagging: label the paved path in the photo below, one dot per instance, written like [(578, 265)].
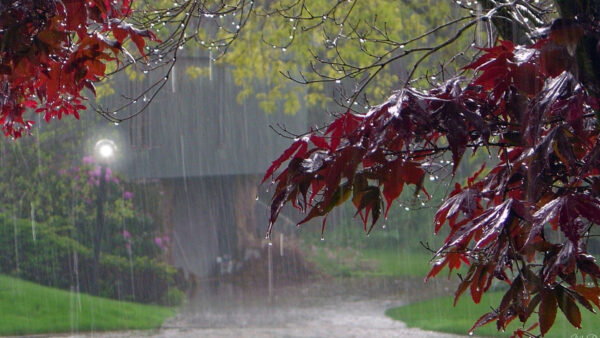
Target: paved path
[(348, 308), (347, 319), (363, 318)]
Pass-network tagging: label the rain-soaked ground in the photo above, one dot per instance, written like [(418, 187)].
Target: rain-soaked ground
[(321, 308)]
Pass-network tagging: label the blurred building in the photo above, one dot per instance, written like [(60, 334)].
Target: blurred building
[(209, 153)]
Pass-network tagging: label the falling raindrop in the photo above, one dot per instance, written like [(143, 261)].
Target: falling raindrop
[(32, 216)]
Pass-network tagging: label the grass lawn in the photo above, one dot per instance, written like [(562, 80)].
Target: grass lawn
[(396, 263), (439, 315), (28, 308), (349, 262)]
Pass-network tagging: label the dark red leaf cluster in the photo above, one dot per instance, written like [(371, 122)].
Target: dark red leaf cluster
[(52, 50), (525, 104)]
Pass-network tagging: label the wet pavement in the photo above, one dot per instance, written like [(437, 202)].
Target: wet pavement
[(322, 308)]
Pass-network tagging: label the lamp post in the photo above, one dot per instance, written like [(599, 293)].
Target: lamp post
[(104, 152)]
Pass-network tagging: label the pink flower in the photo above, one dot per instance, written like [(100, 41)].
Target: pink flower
[(95, 172), (127, 195), (126, 234), (88, 160), (161, 241)]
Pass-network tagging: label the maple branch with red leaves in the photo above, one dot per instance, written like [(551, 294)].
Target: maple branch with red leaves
[(53, 50), (533, 104)]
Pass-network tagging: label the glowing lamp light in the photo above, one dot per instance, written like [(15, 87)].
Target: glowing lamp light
[(105, 149)]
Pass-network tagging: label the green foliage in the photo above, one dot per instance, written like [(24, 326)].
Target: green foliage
[(288, 45), (173, 297), (28, 308), (54, 187), (49, 256)]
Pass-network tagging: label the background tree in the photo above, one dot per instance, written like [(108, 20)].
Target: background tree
[(530, 101), (292, 37)]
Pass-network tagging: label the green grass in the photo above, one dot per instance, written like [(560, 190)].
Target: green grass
[(397, 263), (28, 308), (439, 315), (349, 262)]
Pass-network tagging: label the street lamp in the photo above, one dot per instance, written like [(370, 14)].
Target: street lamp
[(104, 152)]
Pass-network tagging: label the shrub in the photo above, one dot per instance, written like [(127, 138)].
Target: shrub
[(173, 297), (49, 256)]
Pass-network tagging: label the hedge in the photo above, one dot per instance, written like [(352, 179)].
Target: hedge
[(49, 256)]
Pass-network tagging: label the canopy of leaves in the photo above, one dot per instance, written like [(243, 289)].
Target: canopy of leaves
[(290, 39), (51, 50), (297, 36), (533, 106)]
